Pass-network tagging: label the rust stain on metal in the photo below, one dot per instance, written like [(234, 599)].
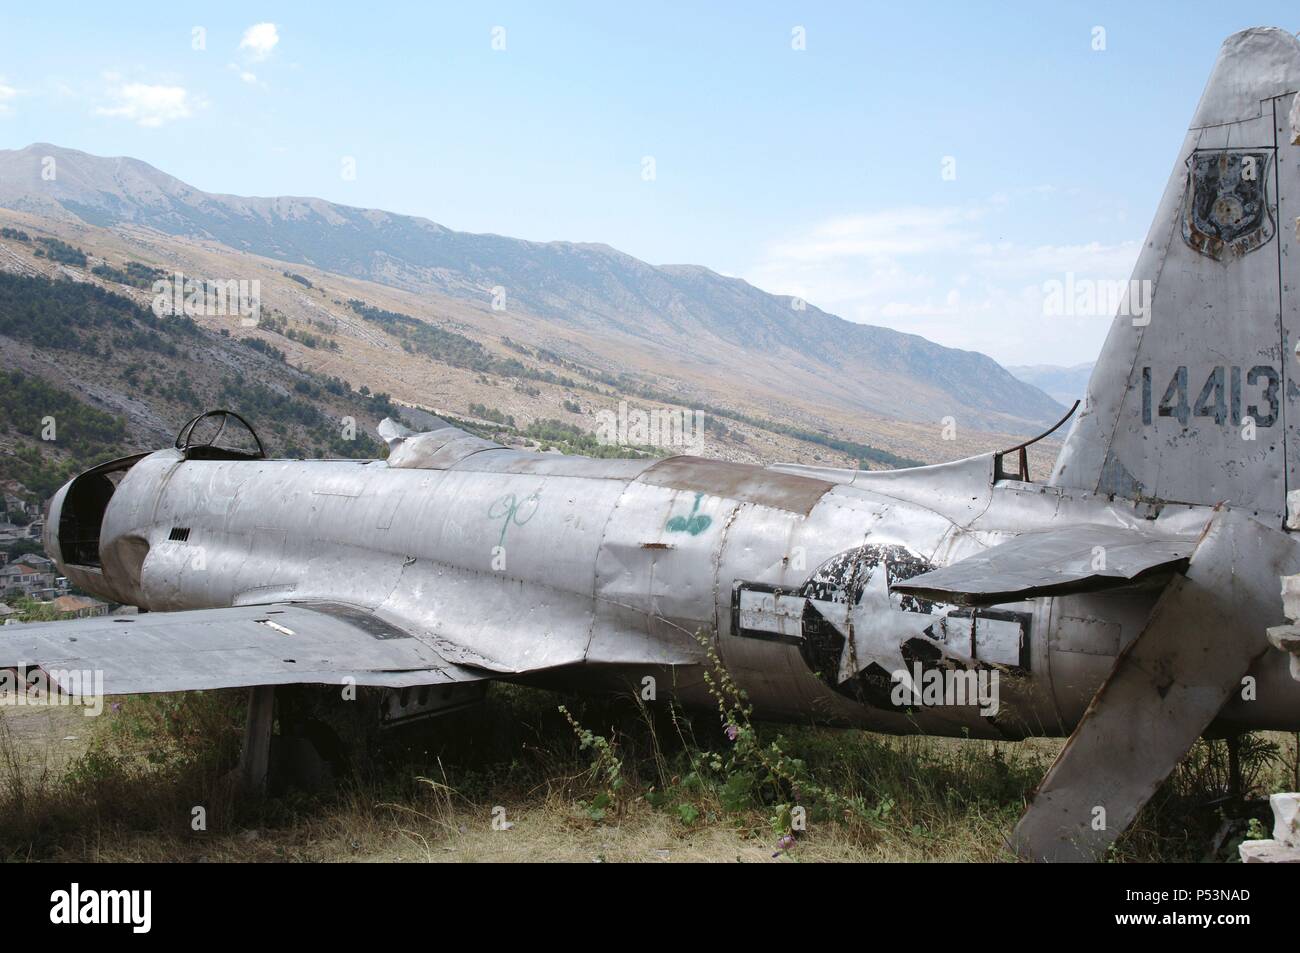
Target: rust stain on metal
[(738, 481)]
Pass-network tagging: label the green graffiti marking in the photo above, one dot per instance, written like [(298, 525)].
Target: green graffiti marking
[(508, 510), (695, 524)]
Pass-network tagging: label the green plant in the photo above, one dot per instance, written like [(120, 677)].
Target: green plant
[(755, 767), (606, 771)]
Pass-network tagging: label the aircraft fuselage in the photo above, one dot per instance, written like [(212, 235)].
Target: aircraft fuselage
[(592, 574)]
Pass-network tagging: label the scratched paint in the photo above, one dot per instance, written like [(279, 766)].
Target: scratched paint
[(842, 580), (845, 580), (1226, 209)]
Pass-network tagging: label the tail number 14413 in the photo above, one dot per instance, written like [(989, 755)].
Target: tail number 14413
[(1220, 397)]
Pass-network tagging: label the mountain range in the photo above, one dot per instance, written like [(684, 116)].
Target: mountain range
[(689, 330), (1063, 384)]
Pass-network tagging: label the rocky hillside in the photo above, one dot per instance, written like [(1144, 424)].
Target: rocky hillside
[(699, 329), (90, 375)]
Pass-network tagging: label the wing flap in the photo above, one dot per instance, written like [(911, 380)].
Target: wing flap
[(277, 644), (1055, 562)]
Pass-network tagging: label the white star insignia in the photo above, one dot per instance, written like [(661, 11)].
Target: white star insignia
[(875, 629)]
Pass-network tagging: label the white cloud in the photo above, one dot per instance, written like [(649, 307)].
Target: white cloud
[(148, 105), (1094, 259), (260, 40), (949, 274), (7, 95), (247, 76), (902, 231)]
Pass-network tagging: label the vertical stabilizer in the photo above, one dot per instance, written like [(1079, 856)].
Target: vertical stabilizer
[(1195, 393)]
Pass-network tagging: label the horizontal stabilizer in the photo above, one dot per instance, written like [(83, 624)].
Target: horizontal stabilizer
[(280, 644), (1167, 687), (1056, 562)]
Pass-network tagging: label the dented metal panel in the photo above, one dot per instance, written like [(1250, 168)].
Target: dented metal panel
[(1054, 562), (655, 573), (436, 449)]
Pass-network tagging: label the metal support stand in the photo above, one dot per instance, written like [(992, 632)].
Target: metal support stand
[(255, 758)]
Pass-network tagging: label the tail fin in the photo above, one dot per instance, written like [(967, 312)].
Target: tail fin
[(1196, 395)]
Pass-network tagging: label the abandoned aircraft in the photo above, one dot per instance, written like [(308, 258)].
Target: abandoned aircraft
[(1122, 602)]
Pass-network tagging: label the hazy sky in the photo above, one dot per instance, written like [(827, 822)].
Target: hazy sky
[(816, 171)]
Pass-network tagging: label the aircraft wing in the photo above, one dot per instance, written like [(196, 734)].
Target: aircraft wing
[(1054, 562), (277, 644)]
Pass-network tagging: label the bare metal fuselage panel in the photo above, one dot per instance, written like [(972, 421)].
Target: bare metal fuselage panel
[(591, 573)]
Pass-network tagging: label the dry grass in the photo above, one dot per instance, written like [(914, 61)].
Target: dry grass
[(126, 791)]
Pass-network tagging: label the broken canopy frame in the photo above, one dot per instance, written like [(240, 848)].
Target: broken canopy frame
[(208, 450)]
